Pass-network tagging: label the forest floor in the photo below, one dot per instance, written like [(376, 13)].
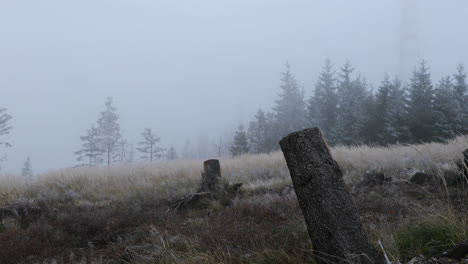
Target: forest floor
[(120, 214)]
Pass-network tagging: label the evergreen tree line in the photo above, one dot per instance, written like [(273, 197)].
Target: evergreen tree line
[(103, 142), (348, 112)]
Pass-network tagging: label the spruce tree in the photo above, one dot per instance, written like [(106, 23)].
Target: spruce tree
[(461, 91), (171, 154), (447, 110), (27, 171), (289, 110), (240, 145), (389, 115), (421, 105), (322, 106), (109, 130), (380, 116), (369, 105), (351, 116), (91, 147), (259, 134), (395, 118), (460, 86), (148, 147)]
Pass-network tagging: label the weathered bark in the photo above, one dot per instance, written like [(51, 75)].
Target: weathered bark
[(332, 219), (210, 176)]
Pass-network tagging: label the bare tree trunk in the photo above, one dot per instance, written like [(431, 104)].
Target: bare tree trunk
[(332, 219), (151, 152), (210, 176)]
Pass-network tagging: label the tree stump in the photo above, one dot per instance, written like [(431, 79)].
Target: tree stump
[(332, 219), (208, 191), (210, 176)]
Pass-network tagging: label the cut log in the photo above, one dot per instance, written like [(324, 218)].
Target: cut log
[(210, 176), (331, 216)]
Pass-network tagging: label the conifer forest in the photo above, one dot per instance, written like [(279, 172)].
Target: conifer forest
[(233, 132)]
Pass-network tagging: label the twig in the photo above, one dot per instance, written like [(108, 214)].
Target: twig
[(385, 253)]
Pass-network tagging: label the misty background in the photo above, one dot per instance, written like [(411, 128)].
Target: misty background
[(194, 70)]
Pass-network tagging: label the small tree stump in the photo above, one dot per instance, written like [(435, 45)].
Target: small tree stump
[(210, 176), (332, 219), (208, 191)]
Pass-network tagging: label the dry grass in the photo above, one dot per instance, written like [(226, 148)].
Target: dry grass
[(92, 215), (264, 171), (431, 157)]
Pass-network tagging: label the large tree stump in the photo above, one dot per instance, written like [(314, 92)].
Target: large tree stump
[(330, 214), (210, 176)]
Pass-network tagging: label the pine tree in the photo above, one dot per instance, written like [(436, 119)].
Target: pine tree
[(4, 127), (421, 105), (351, 116), (27, 171), (240, 145), (91, 147), (289, 111), (461, 91), (259, 134), (109, 130), (322, 106), (148, 148), (171, 154), (447, 110)]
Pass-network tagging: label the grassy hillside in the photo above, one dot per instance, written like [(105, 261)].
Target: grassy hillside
[(119, 214)]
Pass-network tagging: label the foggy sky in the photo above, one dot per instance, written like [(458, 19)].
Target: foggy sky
[(195, 68)]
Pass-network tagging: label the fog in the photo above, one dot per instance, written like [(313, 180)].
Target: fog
[(195, 69)]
